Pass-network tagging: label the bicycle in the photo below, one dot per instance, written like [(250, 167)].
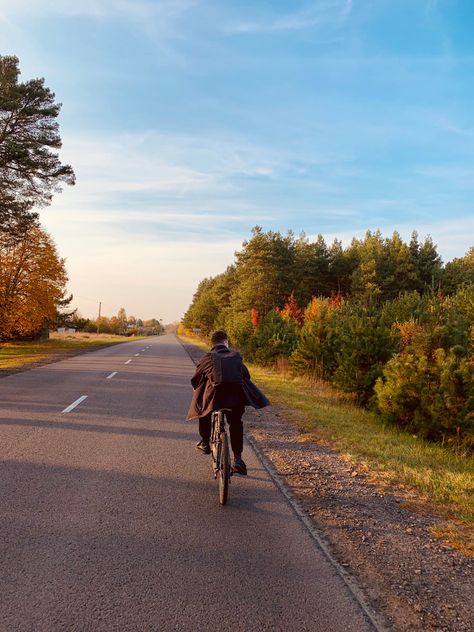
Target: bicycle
[(220, 453)]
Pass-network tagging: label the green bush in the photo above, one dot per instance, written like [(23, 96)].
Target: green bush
[(315, 353), (364, 345), (407, 306), (276, 336), (431, 394), (240, 331)]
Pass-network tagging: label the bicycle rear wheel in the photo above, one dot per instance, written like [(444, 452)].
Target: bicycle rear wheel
[(224, 468)]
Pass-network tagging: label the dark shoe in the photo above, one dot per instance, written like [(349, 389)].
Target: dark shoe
[(239, 467), (204, 447)]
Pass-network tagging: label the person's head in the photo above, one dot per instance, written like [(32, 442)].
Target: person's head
[(219, 337)]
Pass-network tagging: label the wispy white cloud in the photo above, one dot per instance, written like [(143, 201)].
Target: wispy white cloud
[(76, 212), (134, 9), (445, 123), (164, 163), (329, 13), (158, 20), (151, 186), (346, 11)]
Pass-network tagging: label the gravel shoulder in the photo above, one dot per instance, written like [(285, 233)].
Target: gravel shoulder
[(410, 578)]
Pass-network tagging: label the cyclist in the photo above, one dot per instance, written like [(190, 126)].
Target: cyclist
[(222, 380)]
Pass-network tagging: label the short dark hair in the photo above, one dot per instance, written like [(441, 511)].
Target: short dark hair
[(219, 336)]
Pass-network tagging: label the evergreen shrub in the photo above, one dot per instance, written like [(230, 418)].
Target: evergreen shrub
[(364, 344), (276, 336), (240, 331), (430, 394), (315, 353)]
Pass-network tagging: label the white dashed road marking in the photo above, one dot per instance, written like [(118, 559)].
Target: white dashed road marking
[(74, 404), (137, 354), (109, 377), (128, 362)]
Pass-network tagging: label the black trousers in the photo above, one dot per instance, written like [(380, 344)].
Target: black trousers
[(236, 428)]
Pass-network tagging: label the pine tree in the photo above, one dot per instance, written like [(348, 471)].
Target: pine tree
[(458, 273), (342, 264), (30, 169), (312, 277), (265, 272)]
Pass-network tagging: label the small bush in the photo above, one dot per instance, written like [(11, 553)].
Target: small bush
[(431, 394), (276, 336), (364, 345), (315, 353), (240, 331)]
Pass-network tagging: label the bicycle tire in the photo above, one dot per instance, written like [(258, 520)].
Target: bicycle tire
[(224, 468)]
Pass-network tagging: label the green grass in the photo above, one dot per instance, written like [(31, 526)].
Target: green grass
[(14, 355), (429, 475), (389, 456), (194, 341)]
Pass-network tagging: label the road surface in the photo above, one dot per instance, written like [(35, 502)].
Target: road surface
[(109, 519)]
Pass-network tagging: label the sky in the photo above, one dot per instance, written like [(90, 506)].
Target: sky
[(188, 122)]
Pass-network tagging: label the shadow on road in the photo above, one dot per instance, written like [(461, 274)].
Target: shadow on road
[(82, 427), (147, 551)]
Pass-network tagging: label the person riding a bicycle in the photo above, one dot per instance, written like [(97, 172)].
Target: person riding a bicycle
[(222, 382)]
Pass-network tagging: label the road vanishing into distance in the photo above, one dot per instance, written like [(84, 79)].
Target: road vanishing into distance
[(109, 517)]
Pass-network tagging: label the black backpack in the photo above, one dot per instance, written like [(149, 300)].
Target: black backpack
[(226, 367)]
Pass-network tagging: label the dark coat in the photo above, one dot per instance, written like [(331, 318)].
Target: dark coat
[(208, 396)]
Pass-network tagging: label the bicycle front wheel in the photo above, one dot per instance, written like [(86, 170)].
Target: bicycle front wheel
[(224, 469)]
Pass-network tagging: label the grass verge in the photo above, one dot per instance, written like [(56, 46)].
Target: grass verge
[(14, 355), (428, 475)]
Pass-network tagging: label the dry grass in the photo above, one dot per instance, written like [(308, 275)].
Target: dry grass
[(194, 341), (14, 355), (81, 336)]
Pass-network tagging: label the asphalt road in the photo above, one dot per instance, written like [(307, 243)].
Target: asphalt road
[(109, 518)]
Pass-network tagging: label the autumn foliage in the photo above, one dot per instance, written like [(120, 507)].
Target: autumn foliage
[(32, 282), (292, 310), (255, 318)]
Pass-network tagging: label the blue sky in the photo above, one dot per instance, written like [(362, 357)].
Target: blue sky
[(190, 121)]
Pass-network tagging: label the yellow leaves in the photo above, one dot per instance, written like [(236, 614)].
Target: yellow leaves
[(32, 282)]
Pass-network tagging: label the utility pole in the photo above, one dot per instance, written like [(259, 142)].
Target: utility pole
[(98, 319)]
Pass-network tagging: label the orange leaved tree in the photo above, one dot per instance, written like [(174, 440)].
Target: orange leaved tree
[(32, 282)]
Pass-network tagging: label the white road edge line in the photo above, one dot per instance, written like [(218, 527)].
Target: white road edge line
[(128, 362), (109, 377), (74, 404)]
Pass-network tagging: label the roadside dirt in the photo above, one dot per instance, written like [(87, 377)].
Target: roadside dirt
[(415, 582)]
